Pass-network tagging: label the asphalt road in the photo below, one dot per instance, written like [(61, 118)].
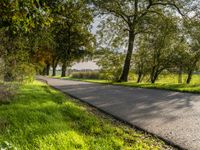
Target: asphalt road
[(173, 116)]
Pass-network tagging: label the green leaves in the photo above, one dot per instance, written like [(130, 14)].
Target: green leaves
[(24, 16)]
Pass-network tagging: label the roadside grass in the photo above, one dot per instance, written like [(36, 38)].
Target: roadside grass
[(40, 117), (166, 82)]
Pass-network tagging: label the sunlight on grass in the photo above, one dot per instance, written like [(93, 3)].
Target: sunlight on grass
[(42, 118), (167, 82)]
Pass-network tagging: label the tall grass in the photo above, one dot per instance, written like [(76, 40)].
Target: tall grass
[(42, 118)]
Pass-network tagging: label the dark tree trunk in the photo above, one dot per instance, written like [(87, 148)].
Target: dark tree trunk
[(54, 65), (189, 77), (64, 66), (47, 69), (153, 79), (154, 74), (54, 71), (139, 77), (127, 63), (44, 71), (180, 74)]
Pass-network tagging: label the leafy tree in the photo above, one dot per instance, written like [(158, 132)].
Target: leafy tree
[(17, 21), (23, 15), (192, 29), (132, 17), (110, 63), (180, 57), (140, 63), (157, 48), (43, 52), (73, 37)]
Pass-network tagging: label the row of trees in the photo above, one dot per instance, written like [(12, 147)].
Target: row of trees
[(159, 36), (38, 34)]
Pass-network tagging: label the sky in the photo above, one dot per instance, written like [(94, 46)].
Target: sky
[(85, 66)]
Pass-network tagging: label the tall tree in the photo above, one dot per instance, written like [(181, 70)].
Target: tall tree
[(193, 35), (18, 19), (134, 16), (73, 37), (159, 46)]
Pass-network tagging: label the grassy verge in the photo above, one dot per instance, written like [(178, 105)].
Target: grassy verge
[(42, 118), (191, 88)]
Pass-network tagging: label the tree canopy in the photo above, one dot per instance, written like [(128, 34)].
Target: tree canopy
[(146, 36)]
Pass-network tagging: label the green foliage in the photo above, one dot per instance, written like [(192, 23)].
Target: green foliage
[(24, 16), (156, 49), (43, 31), (25, 72), (71, 32), (7, 146), (42, 118), (128, 19), (111, 65)]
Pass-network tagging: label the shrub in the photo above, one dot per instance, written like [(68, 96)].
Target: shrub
[(86, 75), (25, 72), (111, 65)]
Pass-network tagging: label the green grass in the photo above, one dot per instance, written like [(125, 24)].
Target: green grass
[(42, 118), (166, 82)]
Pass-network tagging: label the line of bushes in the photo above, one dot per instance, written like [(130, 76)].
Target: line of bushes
[(87, 75)]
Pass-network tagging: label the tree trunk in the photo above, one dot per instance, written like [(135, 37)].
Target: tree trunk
[(64, 66), (54, 65), (180, 73), (127, 63), (47, 69), (54, 71), (153, 80), (189, 77), (44, 71), (154, 75), (139, 77)]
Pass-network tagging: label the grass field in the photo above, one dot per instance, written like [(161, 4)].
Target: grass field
[(167, 82), (42, 118)]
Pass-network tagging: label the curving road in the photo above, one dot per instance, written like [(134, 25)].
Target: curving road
[(173, 116)]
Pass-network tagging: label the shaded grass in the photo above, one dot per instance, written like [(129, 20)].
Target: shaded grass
[(42, 118)]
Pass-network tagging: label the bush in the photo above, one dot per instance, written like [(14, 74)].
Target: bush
[(86, 75), (25, 72), (111, 65)]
